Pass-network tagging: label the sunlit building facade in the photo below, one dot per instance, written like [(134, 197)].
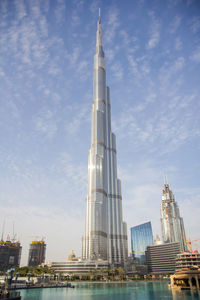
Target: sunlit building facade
[(105, 232), (141, 237), (172, 225)]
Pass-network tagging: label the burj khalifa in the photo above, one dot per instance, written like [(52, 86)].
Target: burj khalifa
[(105, 232)]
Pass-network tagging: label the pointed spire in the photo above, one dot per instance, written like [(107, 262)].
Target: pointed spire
[(99, 43), (165, 180)]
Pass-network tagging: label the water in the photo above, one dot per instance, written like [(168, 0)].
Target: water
[(113, 291)]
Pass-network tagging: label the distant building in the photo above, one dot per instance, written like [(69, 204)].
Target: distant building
[(161, 258), (187, 260), (72, 256), (78, 267), (37, 253), (172, 225), (10, 255), (141, 237)]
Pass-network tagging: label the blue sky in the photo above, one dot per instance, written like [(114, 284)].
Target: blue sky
[(152, 53)]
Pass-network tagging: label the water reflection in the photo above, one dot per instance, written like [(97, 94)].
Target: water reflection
[(32, 294), (185, 294), (138, 290)]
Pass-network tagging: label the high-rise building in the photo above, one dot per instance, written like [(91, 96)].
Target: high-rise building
[(105, 232), (10, 255), (141, 237), (161, 258), (37, 252), (172, 225)]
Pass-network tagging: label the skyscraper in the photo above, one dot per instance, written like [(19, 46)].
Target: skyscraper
[(172, 225), (37, 253), (141, 237), (10, 254), (105, 232)]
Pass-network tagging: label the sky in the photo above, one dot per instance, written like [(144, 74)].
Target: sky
[(152, 51)]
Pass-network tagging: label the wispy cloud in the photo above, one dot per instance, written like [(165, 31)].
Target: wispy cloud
[(196, 55), (60, 11), (195, 24), (79, 117), (94, 6), (112, 25), (178, 44), (118, 71), (45, 123), (154, 32), (175, 24)]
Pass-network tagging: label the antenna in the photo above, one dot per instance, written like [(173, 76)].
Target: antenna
[(3, 228), (166, 179), (14, 234), (13, 230), (99, 15)]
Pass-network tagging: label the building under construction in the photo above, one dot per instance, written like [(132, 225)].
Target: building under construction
[(37, 253), (10, 255)]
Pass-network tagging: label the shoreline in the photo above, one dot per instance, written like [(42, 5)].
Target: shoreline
[(76, 283)]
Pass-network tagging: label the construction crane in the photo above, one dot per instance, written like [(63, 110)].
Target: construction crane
[(37, 238), (189, 243)]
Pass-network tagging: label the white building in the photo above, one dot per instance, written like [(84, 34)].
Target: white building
[(105, 232), (172, 225)]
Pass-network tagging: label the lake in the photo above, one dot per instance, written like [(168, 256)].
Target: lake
[(138, 290)]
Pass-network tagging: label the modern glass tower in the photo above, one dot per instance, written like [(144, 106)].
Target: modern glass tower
[(141, 237), (105, 232), (172, 225)]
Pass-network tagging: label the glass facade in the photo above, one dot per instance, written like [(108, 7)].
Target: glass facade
[(141, 237)]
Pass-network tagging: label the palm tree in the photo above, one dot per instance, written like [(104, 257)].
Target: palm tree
[(121, 272)]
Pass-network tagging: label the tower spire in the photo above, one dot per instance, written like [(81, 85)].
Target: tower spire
[(165, 179), (99, 41)]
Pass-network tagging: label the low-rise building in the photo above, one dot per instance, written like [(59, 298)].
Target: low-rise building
[(78, 267), (161, 258), (187, 260)]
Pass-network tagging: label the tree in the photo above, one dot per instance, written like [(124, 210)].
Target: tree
[(121, 273)]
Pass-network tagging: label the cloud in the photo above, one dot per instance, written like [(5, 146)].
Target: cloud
[(45, 123), (60, 11), (178, 44), (195, 24), (133, 65), (154, 32), (79, 117), (112, 24), (118, 71), (169, 70), (196, 55), (175, 24), (94, 6)]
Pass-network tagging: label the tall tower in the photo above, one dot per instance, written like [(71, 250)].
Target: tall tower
[(105, 232), (172, 225)]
